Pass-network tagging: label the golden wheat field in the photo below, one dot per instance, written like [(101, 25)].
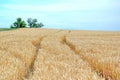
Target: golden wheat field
[(51, 54)]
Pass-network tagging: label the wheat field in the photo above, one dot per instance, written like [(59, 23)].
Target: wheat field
[(51, 54)]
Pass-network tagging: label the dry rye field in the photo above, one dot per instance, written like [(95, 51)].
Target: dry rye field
[(49, 54)]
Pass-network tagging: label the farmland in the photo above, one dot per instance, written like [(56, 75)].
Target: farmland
[(5, 29), (51, 54)]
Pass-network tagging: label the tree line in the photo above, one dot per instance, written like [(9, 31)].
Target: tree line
[(32, 23)]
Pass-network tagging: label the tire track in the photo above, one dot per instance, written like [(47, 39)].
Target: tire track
[(37, 46), (60, 56), (31, 69), (72, 47)]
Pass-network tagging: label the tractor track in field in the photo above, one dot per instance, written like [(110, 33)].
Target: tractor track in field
[(37, 47), (64, 42), (72, 47), (31, 69)]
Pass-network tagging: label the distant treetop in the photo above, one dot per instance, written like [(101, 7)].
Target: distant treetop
[(32, 23)]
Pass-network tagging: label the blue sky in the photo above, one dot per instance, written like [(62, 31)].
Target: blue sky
[(64, 14)]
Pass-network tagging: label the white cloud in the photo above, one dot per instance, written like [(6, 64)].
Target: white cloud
[(58, 7)]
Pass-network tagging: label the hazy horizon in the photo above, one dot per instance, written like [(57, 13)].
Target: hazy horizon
[(64, 14)]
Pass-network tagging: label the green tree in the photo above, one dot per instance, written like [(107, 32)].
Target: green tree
[(32, 23), (11, 26), (18, 24), (39, 25)]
